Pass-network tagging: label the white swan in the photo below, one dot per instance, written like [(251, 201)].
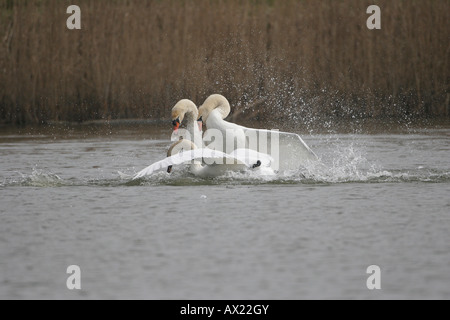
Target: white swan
[(186, 110), (218, 163), (216, 108)]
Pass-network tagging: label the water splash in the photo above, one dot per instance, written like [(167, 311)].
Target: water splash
[(342, 163), (40, 178), (339, 162)]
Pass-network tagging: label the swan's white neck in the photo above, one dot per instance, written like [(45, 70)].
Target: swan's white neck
[(179, 146), (186, 145), (216, 102), (190, 114), (191, 118), (187, 112)]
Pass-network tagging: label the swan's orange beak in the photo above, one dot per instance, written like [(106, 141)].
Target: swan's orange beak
[(200, 123), (176, 124)]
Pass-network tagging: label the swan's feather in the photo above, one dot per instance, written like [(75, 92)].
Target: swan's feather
[(207, 155), (250, 157), (288, 139)]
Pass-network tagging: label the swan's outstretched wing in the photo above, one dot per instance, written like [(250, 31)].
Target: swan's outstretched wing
[(288, 137), (288, 149), (207, 155), (285, 138)]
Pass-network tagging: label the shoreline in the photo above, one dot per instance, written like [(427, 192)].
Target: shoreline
[(145, 126)]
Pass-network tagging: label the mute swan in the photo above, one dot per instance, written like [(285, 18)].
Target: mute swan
[(216, 108), (187, 110), (184, 151)]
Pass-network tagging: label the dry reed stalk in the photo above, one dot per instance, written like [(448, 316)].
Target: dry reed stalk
[(284, 58)]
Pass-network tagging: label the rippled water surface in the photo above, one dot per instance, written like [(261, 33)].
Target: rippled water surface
[(373, 199)]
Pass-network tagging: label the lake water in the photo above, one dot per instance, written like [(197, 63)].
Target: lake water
[(375, 199)]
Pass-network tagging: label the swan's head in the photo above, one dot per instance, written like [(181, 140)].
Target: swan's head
[(203, 114), (215, 101), (180, 146), (181, 109)]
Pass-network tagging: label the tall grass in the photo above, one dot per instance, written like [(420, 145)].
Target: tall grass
[(274, 59)]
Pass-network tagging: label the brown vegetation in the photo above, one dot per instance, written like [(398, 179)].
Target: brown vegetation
[(277, 59)]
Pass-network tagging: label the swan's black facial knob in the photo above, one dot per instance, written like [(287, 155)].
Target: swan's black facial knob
[(200, 119), (176, 123), (169, 169)]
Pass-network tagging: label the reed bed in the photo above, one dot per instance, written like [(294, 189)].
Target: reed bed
[(281, 59)]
